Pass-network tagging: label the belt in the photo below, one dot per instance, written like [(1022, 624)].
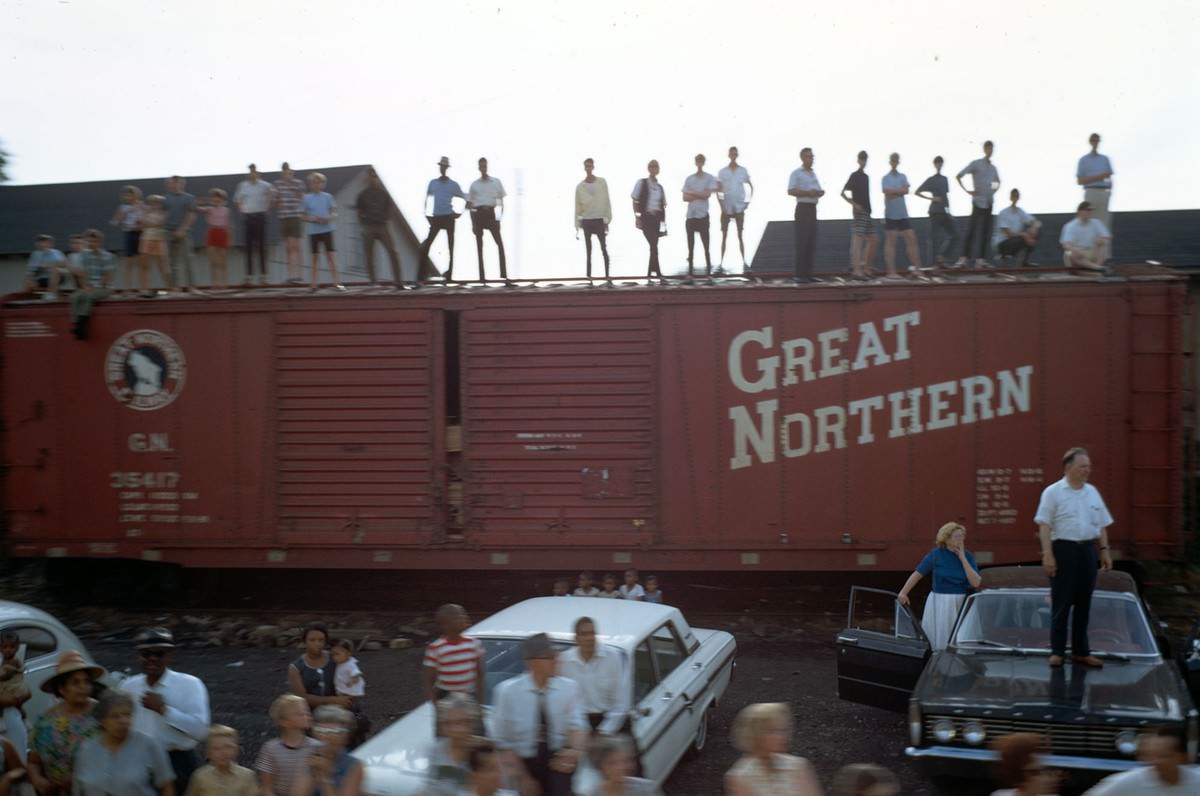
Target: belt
[(1077, 541)]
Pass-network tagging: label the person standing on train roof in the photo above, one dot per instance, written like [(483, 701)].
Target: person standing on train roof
[(804, 185), (1072, 520), (954, 574), (485, 200), (698, 188), (985, 181), (649, 211), (1095, 173), (442, 215), (593, 213), (732, 181), (863, 241)]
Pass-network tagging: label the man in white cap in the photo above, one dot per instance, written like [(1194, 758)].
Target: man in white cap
[(169, 705)]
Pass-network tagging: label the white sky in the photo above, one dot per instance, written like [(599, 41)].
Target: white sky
[(113, 89)]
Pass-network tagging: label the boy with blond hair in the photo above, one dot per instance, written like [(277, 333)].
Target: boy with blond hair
[(282, 760), (222, 776)]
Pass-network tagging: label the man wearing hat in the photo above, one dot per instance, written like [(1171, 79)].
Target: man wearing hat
[(442, 215), (539, 719), (169, 705)]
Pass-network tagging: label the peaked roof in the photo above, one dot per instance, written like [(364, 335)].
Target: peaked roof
[(1171, 237), (60, 209)]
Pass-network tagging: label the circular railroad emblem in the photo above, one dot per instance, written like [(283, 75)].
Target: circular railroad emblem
[(145, 370)]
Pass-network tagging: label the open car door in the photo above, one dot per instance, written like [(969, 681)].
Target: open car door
[(881, 652)]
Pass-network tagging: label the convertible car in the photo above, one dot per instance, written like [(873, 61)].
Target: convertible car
[(675, 673), (994, 677)]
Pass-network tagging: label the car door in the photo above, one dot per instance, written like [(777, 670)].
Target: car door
[(39, 650), (664, 716), (881, 651)]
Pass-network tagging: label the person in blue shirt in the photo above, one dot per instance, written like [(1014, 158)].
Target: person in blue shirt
[(442, 215), (954, 574)]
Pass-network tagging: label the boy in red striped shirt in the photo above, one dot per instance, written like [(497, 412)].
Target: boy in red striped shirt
[(454, 662)]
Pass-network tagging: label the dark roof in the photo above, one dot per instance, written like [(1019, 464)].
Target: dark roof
[(1171, 237), (62, 208), (1035, 577)]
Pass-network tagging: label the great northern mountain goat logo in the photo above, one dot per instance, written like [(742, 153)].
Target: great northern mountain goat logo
[(145, 370)]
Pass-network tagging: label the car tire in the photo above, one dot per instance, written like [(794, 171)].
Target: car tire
[(700, 739)]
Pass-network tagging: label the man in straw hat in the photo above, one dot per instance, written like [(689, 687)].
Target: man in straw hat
[(170, 706), (442, 215)]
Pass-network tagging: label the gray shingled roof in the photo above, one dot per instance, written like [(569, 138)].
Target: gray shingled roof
[(59, 209), (1171, 237)]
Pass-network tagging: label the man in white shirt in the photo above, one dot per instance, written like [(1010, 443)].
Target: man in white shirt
[(168, 705), (804, 185), (1071, 519), (539, 719), (600, 674), (484, 197), (697, 189), (1016, 231), (254, 198), (1085, 240), (985, 181), (1166, 773), (1095, 173), (732, 181)]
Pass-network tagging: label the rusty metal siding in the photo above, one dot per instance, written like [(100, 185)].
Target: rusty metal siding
[(358, 407), (558, 431)]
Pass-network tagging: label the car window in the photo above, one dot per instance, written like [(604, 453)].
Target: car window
[(37, 641), (504, 659), (668, 649), (644, 677), (878, 611), (1022, 620)]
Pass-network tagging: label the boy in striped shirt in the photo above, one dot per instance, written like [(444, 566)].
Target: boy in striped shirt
[(454, 662)]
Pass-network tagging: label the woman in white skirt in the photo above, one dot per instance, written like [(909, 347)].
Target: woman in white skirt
[(954, 574)]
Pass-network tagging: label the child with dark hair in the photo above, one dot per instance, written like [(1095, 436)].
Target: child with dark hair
[(13, 690), (609, 588), (653, 592)]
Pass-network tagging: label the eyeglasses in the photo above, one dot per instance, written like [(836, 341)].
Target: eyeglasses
[(318, 730), (154, 653)]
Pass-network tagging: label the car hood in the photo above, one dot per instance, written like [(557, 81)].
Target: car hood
[(1142, 688)]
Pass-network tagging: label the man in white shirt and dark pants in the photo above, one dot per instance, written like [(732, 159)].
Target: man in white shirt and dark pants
[(484, 196), (804, 185), (697, 189), (254, 198), (539, 719), (1072, 519), (1016, 231), (169, 705)]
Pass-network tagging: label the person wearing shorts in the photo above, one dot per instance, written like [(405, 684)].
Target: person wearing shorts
[(46, 267), (319, 211), (289, 193), (863, 239), (895, 188), (732, 181)]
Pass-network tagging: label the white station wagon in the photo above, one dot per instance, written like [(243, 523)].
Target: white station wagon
[(676, 675)]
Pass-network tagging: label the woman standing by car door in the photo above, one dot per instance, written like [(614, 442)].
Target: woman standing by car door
[(954, 574)]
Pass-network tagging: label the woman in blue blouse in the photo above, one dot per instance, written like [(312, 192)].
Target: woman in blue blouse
[(954, 574)]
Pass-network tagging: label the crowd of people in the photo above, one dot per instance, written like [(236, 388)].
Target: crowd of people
[(156, 230)]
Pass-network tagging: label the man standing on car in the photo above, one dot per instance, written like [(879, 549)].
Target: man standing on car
[(169, 706), (539, 719), (1071, 519)]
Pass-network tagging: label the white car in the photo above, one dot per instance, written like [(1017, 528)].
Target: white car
[(43, 639), (676, 674)]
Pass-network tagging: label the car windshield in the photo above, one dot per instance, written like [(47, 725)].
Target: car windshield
[(505, 660), (1020, 620)]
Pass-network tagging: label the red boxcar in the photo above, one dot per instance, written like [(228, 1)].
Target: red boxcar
[(732, 427)]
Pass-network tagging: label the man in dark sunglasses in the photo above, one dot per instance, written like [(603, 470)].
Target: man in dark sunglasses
[(168, 705)]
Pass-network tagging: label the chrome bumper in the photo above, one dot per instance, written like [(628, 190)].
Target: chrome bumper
[(955, 754)]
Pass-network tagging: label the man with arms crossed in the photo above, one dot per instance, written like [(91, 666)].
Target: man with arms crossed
[(804, 185), (1071, 519)]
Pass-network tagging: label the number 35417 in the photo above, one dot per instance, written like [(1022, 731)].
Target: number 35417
[(135, 480)]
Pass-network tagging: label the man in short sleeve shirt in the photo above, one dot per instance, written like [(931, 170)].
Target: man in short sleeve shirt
[(484, 198), (1095, 175), (1016, 231), (698, 188), (895, 188), (1084, 240), (289, 194), (180, 207), (733, 180), (804, 185), (1072, 521), (858, 185), (985, 181), (442, 215), (942, 235)]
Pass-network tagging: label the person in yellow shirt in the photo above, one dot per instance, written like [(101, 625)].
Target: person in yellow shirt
[(593, 212), (222, 776)]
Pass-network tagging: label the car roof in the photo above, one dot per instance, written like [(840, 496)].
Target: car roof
[(619, 622), (1035, 577), (15, 612)]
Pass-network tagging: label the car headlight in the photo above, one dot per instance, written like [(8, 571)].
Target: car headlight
[(974, 733), (943, 730), (1126, 742)]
